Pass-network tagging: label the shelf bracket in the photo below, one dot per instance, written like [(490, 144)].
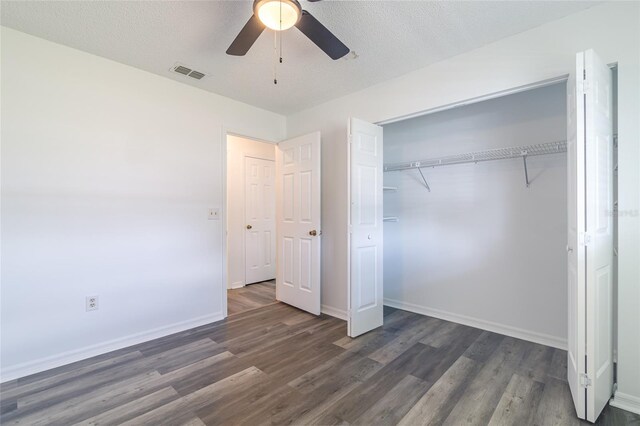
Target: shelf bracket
[(526, 172), (424, 179)]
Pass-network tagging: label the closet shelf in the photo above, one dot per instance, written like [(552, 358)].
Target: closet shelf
[(475, 157), (390, 219), (488, 155)]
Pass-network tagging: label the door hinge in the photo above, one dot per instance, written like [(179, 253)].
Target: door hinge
[(584, 84), (350, 138), (585, 380), (584, 238)]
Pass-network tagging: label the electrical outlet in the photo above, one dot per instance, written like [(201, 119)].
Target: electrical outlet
[(92, 303), (214, 214)]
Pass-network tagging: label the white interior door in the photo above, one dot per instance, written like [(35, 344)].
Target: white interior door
[(298, 222), (365, 227), (260, 235), (576, 335), (599, 232), (590, 190)]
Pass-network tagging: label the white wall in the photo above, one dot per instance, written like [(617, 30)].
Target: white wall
[(612, 29), (237, 149), (481, 246), (107, 176)]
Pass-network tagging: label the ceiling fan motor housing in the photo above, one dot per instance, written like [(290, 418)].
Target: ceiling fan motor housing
[(273, 8), (280, 15)]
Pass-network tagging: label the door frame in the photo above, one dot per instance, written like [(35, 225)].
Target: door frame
[(224, 273), (465, 102)]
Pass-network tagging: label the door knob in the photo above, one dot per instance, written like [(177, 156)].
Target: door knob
[(313, 233), (249, 226)]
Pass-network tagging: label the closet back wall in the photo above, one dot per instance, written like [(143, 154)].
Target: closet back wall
[(481, 248)]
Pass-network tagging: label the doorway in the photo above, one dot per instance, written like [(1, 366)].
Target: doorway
[(273, 208), (251, 224)]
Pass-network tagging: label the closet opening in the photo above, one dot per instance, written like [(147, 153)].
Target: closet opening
[(475, 214), (499, 216)]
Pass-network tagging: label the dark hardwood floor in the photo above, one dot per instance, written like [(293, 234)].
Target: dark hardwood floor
[(251, 297), (278, 365)]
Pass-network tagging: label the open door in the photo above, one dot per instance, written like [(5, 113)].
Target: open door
[(590, 235), (599, 232), (365, 227), (298, 222), (575, 226)]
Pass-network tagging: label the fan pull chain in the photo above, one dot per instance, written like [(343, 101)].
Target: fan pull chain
[(275, 56), (280, 31)]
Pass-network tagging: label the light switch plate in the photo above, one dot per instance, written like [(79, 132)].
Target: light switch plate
[(214, 214)]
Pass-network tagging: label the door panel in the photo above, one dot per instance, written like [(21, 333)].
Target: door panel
[(365, 223), (590, 235), (260, 220), (599, 227), (298, 222), (576, 226)]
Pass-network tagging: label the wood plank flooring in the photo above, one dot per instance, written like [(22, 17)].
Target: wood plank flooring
[(278, 365), (251, 297)]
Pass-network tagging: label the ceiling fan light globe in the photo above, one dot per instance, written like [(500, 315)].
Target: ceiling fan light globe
[(278, 15)]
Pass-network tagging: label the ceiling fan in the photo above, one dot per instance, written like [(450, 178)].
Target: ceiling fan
[(280, 15)]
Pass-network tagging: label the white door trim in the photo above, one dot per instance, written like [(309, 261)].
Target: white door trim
[(488, 96)]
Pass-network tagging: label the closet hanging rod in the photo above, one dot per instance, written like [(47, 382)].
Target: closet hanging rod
[(476, 157)]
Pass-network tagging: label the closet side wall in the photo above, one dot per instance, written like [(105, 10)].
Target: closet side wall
[(481, 247)]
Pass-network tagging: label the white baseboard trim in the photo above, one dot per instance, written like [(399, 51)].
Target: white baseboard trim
[(334, 312), (237, 284), (507, 330), (625, 402), (31, 367)]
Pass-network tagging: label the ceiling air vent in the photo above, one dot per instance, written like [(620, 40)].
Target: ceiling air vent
[(181, 69), (196, 74)]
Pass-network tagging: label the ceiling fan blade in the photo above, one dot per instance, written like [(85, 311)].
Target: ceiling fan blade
[(247, 36), (321, 36)]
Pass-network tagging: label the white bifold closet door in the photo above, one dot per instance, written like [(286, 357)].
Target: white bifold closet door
[(590, 235), (298, 222), (365, 295)]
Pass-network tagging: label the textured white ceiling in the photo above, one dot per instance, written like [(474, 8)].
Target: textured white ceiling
[(391, 38)]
